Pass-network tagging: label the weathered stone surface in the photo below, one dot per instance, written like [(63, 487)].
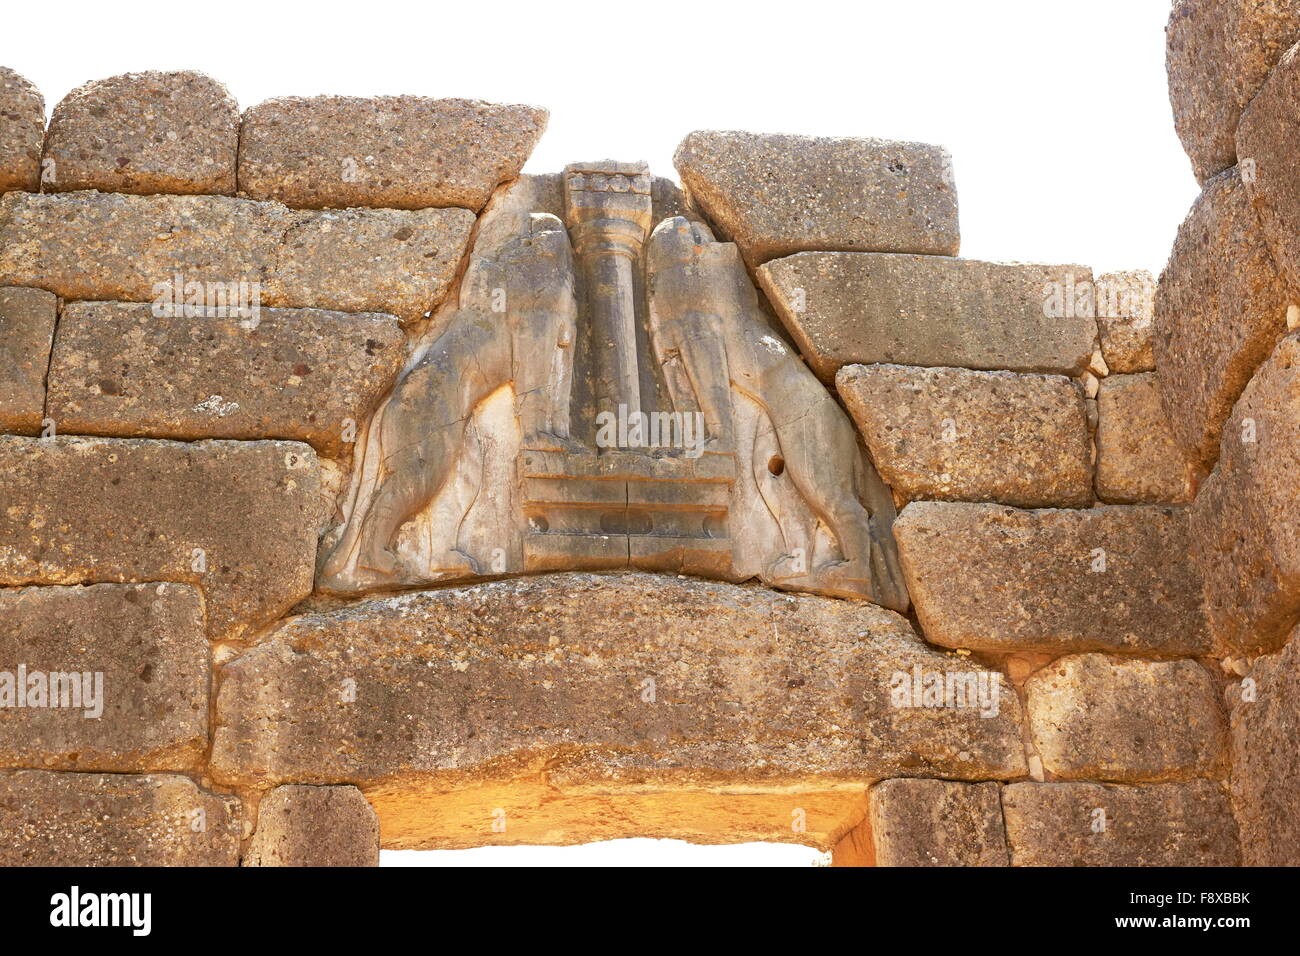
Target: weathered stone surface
[(1137, 458), (86, 510), (1126, 304), (27, 318), (23, 110), (102, 246), (767, 481), (1266, 761), (154, 132), (1087, 824), (773, 195), (148, 707), (91, 245), (664, 693), (1267, 140), (1094, 717), (1243, 521), (956, 435), (397, 152), (1220, 307), (847, 308), (1111, 578), (1218, 54), (120, 369), (937, 823), (314, 826), (110, 819), (370, 260)]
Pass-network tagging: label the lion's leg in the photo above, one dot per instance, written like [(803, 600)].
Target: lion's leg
[(421, 433), (543, 377), (821, 453)]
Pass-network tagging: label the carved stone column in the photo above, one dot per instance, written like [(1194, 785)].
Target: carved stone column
[(608, 211)]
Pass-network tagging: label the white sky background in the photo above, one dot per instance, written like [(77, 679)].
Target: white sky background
[(1056, 111)]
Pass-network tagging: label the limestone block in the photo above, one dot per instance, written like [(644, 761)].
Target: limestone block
[(1266, 142), (1137, 458), (1087, 824), (988, 577), (114, 677), (370, 260), (1220, 307), (23, 110), (1094, 717), (773, 195), (27, 318), (1218, 54), (1125, 310), (659, 694), (237, 519), (154, 132), (314, 826), (397, 152), (1265, 759), (111, 819), (102, 246), (91, 245), (847, 308), (1243, 521), (303, 374), (956, 435), (937, 823)]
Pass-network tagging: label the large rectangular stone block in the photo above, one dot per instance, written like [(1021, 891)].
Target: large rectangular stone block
[(112, 819), (314, 826), (986, 577), (1244, 528), (1220, 308), (1087, 824), (109, 246), (120, 369), (27, 318), (237, 519), (1266, 760), (108, 677), (951, 434), (659, 695), (1219, 52), (23, 109), (1138, 460), (370, 260), (1095, 717), (151, 132), (92, 245), (937, 823), (398, 152), (773, 195), (862, 308)]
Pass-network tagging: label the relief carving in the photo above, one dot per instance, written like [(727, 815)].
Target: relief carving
[(607, 396)]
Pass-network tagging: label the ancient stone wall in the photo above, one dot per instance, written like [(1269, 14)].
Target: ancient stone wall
[(359, 490)]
